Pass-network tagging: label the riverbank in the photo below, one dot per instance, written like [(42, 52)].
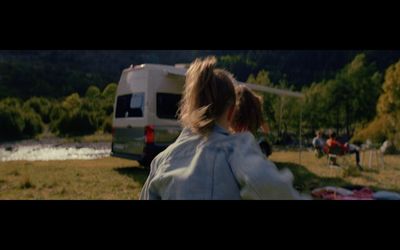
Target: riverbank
[(55, 148)]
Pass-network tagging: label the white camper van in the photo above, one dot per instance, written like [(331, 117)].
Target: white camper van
[(145, 111)]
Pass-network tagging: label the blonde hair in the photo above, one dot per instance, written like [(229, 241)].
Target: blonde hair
[(249, 111), (207, 94)]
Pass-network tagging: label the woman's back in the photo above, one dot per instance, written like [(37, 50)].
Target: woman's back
[(206, 162), (219, 167)]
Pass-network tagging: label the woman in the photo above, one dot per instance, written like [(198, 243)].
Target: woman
[(206, 162)]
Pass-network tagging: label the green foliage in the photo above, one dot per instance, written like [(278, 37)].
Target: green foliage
[(287, 111), (389, 101), (72, 102), (386, 124), (82, 116), (18, 122), (315, 107), (93, 92), (56, 113), (55, 73), (74, 117), (12, 122), (41, 106), (109, 91), (71, 116), (12, 102), (79, 122), (263, 79), (376, 131), (342, 97), (33, 123), (357, 89), (239, 65), (107, 125), (345, 101)]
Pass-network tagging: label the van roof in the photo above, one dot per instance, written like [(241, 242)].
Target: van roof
[(179, 70), (175, 70)]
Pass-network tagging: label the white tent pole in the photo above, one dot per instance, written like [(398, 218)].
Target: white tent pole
[(280, 116), (276, 91), (300, 145)]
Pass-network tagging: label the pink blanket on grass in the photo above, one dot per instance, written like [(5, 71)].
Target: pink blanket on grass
[(330, 193)]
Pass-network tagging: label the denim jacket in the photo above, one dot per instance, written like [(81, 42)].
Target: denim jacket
[(220, 166)]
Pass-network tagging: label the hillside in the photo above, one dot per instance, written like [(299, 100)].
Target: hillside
[(56, 73)]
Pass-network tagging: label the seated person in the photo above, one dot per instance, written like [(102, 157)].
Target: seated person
[(318, 143), (347, 148)]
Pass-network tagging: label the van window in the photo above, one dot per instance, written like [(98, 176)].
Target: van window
[(167, 105), (131, 105)]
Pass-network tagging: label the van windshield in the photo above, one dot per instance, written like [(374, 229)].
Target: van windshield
[(167, 105), (131, 105)]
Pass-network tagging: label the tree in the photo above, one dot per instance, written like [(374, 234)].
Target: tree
[(108, 95), (385, 125), (287, 114), (353, 94), (11, 122), (41, 106), (72, 102), (109, 91), (263, 79), (93, 92), (315, 105), (33, 122), (239, 65), (389, 102)]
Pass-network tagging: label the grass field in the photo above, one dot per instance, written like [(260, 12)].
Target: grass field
[(96, 137), (314, 172), (107, 178), (112, 178)]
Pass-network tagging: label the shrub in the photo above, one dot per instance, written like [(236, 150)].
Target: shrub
[(33, 123), (41, 106), (12, 122), (377, 131), (77, 123), (93, 92), (107, 125)]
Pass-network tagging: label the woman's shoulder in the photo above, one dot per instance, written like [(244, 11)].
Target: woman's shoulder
[(238, 140), (243, 136)]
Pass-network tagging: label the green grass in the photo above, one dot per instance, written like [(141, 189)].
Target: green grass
[(96, 137), (108, 178), (313, 172), (117, 179)]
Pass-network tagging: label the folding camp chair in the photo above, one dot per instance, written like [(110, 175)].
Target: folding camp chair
[(375, 153), (333, 154)]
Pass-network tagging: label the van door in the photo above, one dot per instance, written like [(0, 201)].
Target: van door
[(128, 137), (168, 129)]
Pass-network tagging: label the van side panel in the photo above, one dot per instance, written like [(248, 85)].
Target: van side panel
[(129, 132), (133, 81), (128, 138), (166, 130)]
